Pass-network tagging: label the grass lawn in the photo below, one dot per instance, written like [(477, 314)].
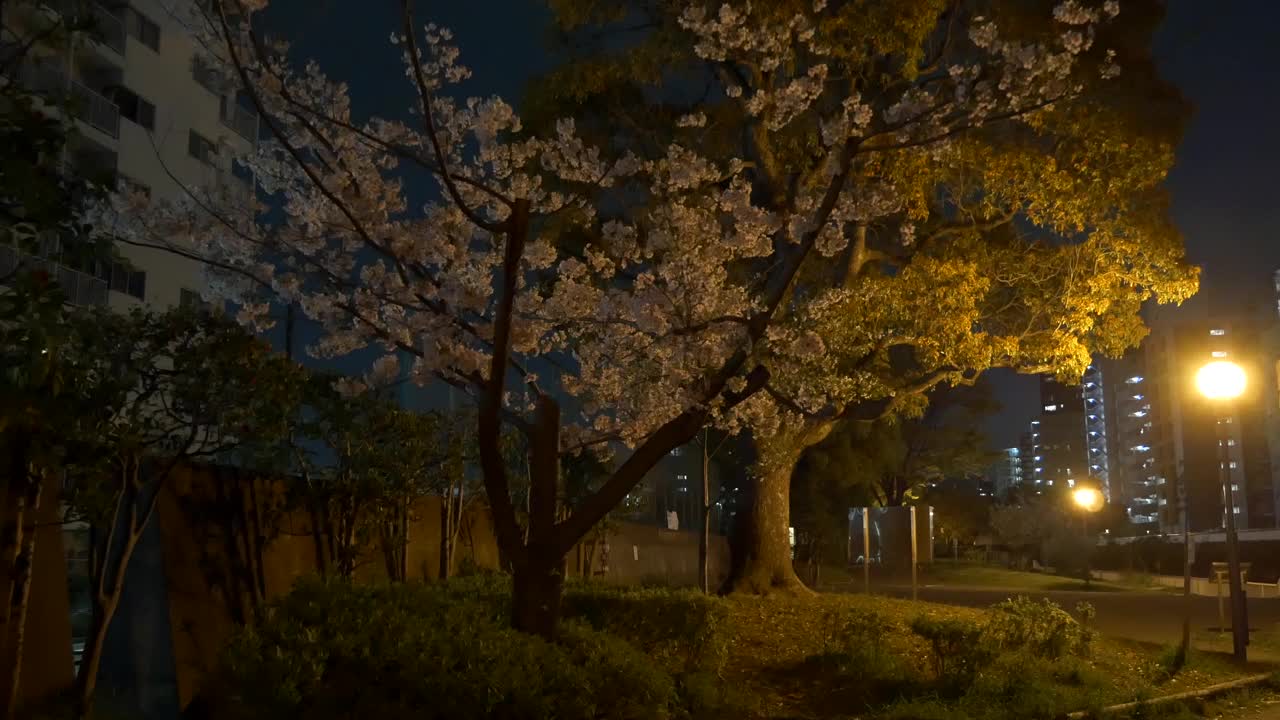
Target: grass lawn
[(783, 656), (1264, 642), (996, 577)]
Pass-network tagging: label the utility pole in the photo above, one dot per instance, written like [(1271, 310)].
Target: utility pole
[(1239, 632), (704, 537)]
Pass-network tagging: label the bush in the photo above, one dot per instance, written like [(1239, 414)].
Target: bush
[(332, 650), (1041, 628), (958, 650), (683, 630)]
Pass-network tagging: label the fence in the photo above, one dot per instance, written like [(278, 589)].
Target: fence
[(1199, 586)]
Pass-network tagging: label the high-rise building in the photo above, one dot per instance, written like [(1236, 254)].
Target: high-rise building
[(1005, 473), (1189, 436), (1096, 414), (1137, 472), (1062, 455), (149, 116), (1029, 450)]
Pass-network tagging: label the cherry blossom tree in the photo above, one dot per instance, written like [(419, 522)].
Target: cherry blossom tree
[(1006, 206), (664, 283)]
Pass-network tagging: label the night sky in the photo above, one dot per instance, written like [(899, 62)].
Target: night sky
[(1226, 200), (1218, 52)]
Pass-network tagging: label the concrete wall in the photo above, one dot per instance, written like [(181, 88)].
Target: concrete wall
[(209, 583), (46, 658)]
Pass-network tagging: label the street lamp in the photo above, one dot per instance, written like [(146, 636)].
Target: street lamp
[(1089, 500), (1221, 382)]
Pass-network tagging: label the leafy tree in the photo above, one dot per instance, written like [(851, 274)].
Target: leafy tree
[(44, 384), (454, 478), (160, 391), (41, 209), (960, 513), (841, 213), (1024, 528), (969, 239)]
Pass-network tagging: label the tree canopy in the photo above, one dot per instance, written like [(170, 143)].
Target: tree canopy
[(764, 215)]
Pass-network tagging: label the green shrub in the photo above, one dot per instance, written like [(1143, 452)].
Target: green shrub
[(682, 630), (1041, 628), (958, 650), (330, 650)]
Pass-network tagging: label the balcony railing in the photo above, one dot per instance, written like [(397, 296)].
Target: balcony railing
[(243, 121), (95, 109), (108, 28), (90, 105), (80, 288)]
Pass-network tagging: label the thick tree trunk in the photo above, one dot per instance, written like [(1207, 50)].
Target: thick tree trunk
[(540, 577), (762, 561), (535, 606)]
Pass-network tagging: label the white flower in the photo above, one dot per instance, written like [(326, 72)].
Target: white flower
[(692, 120)]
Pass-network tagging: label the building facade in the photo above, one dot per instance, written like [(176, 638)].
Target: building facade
[(150, 118), (1137, 470), (1062, 455), (1005, 473)]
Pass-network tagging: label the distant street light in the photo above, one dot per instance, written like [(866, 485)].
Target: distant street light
[(1087, 498), (1090, 500), (1221, 382)]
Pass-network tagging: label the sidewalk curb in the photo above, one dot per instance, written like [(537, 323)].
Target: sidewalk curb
[(1188, 695)]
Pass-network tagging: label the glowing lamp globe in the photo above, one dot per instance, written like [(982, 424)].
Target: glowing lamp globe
[(1221, 380), (1087, 498)]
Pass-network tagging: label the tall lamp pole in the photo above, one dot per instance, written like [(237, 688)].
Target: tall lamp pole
[(1221, 382), (1089, 500)]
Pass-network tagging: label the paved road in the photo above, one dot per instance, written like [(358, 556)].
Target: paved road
[(1137, 615)]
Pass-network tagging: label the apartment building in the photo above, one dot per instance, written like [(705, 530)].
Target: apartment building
[(149, 116)]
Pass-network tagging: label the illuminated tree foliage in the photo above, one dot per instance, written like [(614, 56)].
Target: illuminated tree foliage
[(766, 215)]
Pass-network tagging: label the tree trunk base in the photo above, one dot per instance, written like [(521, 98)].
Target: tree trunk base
[(535, 601), (768, 581)]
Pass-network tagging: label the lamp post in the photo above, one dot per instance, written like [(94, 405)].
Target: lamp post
[(1089, 500), (1221, 382)]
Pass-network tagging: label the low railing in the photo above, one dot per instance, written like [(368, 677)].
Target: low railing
[(89, 105), (110, 28), (95, 109), (80, 288), (242, 121)]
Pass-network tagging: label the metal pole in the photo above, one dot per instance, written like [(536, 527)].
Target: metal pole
[(866, 550), (914, 563), (1239, 633), (1186, 570), (704, 537), (1088, 558)]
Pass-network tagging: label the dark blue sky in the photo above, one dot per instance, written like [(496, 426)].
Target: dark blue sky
[(1218, 52), (1226, 201)]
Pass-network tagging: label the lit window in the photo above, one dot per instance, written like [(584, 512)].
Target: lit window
[(1217, 332), (1050, 408)]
